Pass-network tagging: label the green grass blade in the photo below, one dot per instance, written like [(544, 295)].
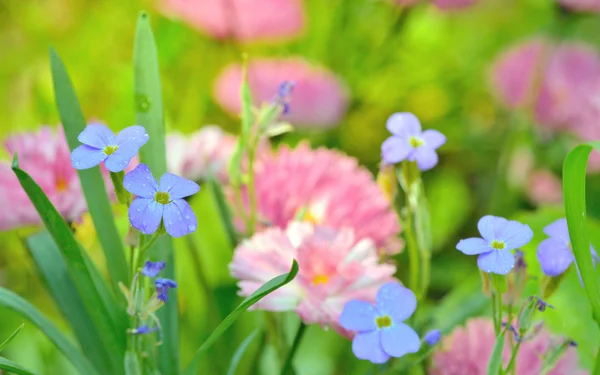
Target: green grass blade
[(241, 350), (77, 265), (223, 210), (495, 361), (269, 287), (12, 367), (52, 267), (13, 302), (11, 337), (149, 114), (92, 182), (574, 173)]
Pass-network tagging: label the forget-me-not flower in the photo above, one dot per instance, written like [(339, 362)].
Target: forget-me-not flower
[(555, 253), (433, 337), (160, 201), (151, 269), (162, 288), (500, 237), (143, 330), (381, 333), (100, 144), (408, 142)]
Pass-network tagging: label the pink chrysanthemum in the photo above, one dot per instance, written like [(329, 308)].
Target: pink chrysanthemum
[(467, 351), (453, 4), (205, 152), (45, 156), (544, 188), (324, 187), (243, 20), (319, 98), (582, 5), (334, 267)]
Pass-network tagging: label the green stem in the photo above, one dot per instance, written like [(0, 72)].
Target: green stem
[(513, 359), (251, 191), (495, 308), (147, 245), (123, 196), (288, 362), (413, 254)]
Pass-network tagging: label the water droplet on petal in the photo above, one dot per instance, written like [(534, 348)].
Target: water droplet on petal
[(191, 228), (187, 216)]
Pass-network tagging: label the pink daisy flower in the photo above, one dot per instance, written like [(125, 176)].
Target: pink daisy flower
[(319, 98), (324, 187), (239, 19), (544, 188), (45, 156), (582, 5), (467, 351), (335, 267)]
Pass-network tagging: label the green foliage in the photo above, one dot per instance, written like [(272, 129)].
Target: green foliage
[(11, 337), (10, 366)]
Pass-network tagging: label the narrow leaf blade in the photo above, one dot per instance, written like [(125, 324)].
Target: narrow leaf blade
[(12, 367), (495, 362), (11, 337), (241, 350)]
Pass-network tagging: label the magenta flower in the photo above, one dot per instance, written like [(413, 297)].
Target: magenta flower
[(381, 333), (152, 269), (408, 142), (162, 288), (555, 254), (160, 202), (500, 237), (101, 145)]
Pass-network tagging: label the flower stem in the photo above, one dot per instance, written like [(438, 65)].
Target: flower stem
[(497, 311), (413, 254), (251, 190), (288, 362), (513, 359)]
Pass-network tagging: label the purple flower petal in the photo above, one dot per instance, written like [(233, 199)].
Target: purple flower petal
[(97, 135), (141, 182), (179, 218), (404, 124), (554, 256), (433, 138), (177, 187), (132, 137), (162, 288), (473, 246), (395, 149), (145, 215), (84, 157), (426, 158), (497, 261), (358, 316), (119, 160), (559, 230), (399, 339), (489, 225), (396, 301), (433, 337), (515, 234), (368, 346), (151, 269)]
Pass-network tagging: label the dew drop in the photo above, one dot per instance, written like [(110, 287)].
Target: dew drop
[(139, 209), (77, 164), (142, 103), (187, 216), (191, 228)]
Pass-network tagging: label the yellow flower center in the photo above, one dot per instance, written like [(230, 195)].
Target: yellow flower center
[(416, 142), (110, 149), (383, 321), (162, 197), (320, 279), (498, 245)]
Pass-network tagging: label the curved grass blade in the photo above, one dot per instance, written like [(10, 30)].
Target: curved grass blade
[(92, 183), (241, 350), (495, 361), (14, 302), (12, 367), (268, 287), (11, 337), (149, 114), (77, 266)]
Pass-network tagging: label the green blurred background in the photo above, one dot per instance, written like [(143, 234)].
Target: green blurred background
[(419, 60)]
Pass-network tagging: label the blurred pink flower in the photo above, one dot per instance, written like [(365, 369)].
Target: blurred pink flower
[(45, 156), (204, 152), (453, 4), (544, 188), (581, 5), (243, 20), (319, 98), (334, 267), (467, 350), (324, 187)]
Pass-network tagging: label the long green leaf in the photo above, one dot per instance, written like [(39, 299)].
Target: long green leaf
[(241, 350), (495, 361), (10, 366), (574, 172), (269, 287), (52, 267), (13, 302), (11, 337), (92, 182), (77, 265), (149, 114)]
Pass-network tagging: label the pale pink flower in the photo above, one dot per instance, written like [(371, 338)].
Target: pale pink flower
[(453, 4), (466, 351), (544, 188), (334, 267), (204, 152), (45, 156), (243, 20), (324, 187), (319, 98), (582, 5)]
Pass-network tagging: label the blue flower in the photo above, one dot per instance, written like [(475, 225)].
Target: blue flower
[(100, 144), (162, 288), (500, 237), (143, 330), (380, 331), (555, 254), (408, 142), (283, 95), (162, 201), (433, 337), (151, 269)]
